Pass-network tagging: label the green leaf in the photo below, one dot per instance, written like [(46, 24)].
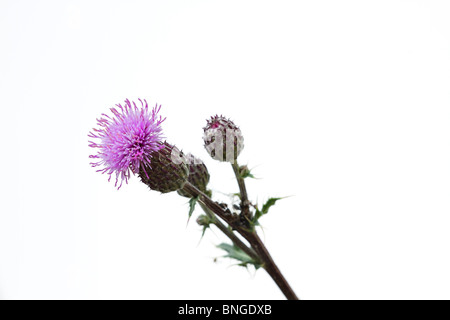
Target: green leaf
[(236, 253), (204, 230), (245, 172), (265, 209), (192, 204), (248, 175), (268, 204)]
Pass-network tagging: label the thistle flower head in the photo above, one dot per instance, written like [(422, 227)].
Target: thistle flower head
[(223, 139), (126, 140), (198, 175), (168, 170)]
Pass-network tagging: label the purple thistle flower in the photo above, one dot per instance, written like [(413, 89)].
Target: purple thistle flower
[(126, 140)]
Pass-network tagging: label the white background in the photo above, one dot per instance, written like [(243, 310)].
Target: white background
[(345, 106)]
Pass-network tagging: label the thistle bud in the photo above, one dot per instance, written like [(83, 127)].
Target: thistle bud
[(223, 139), (203, 220), (198, 175), (168, 170)]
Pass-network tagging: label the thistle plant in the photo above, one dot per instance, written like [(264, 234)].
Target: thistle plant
[(130, 141)]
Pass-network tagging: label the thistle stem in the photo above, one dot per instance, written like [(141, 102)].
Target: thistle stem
[(245, 204), (270, 266), (255, 240), (251, 236), (229, 233)]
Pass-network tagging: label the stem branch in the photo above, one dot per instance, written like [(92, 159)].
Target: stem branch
[(229, 233), (251, 236)]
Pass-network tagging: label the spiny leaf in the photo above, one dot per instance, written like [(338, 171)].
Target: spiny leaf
[(245, 172), (204, 230), (192, 204), (237, 254), (248, 175), (268, 204), (265, 209)]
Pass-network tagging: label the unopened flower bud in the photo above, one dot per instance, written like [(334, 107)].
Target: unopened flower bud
[(198, 175), (244, 171), (203, 220), (168, 170), (223, 139)]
